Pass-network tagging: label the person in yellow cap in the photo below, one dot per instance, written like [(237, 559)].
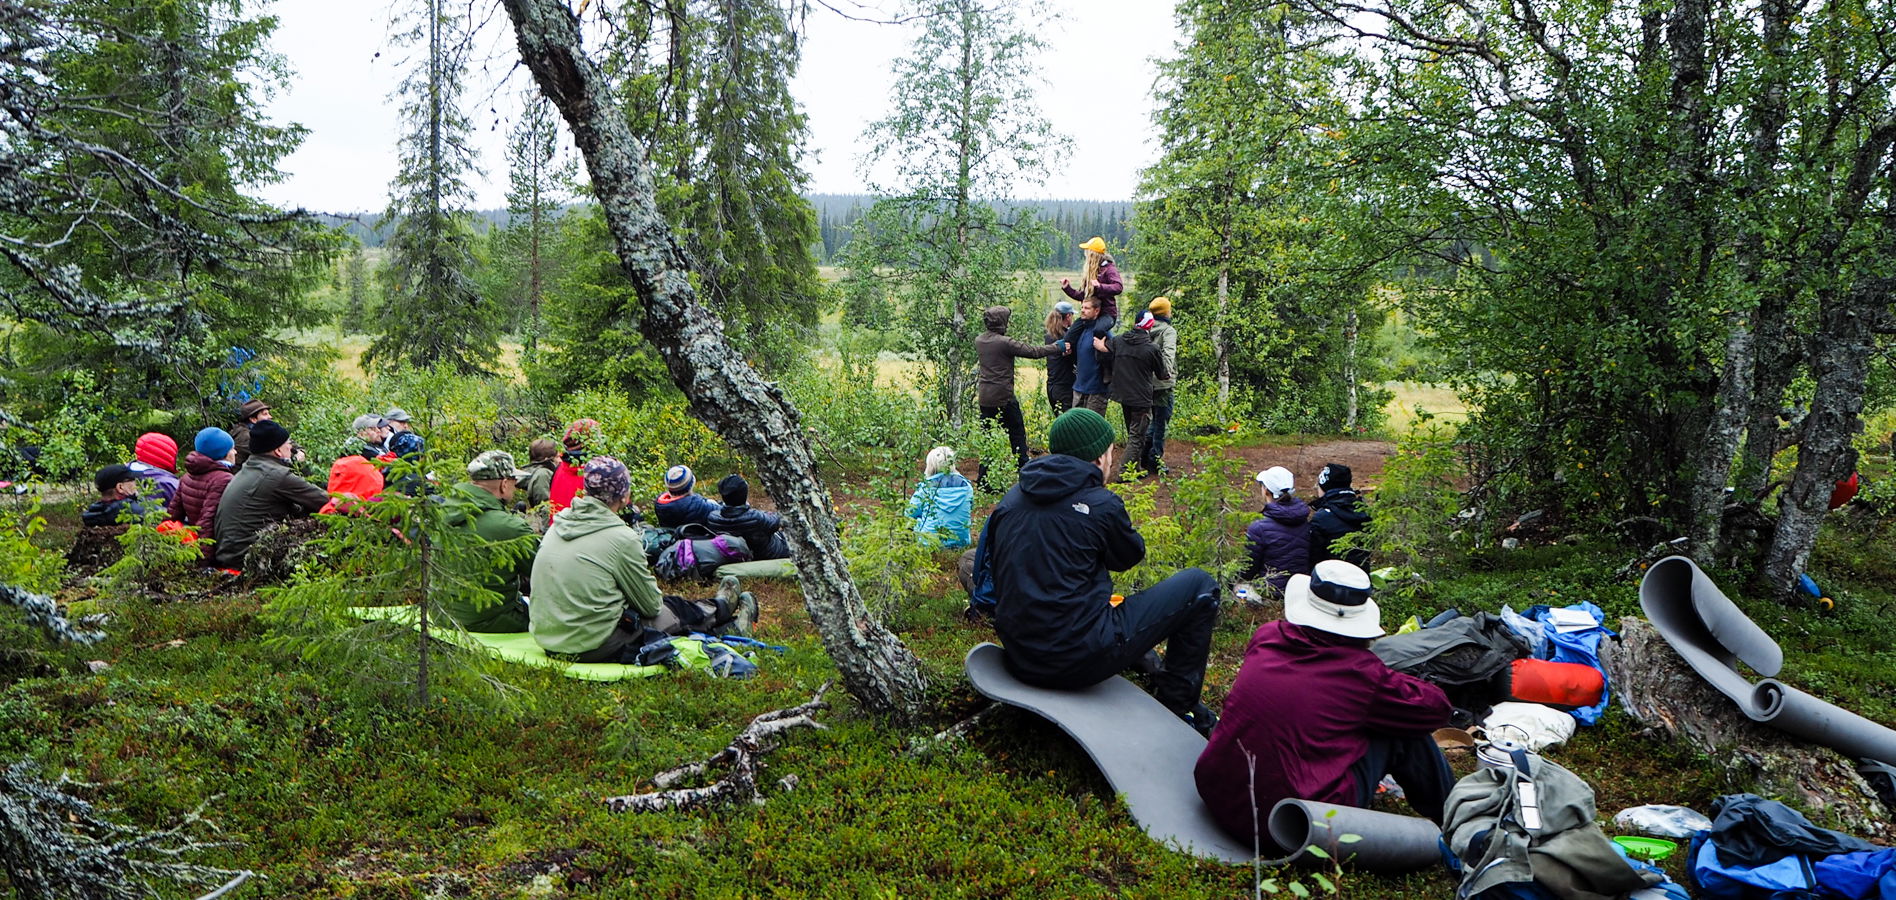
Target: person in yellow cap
[(1164, 335), (1098, 298)]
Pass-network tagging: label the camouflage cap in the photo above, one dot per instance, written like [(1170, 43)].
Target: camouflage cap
[(494, 465)]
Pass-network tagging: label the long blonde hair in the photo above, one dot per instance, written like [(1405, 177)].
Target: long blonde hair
[(1056, 324), (1090, 271)]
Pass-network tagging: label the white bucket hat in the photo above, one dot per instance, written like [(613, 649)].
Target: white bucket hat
[(1277, 480), (1334, 597)]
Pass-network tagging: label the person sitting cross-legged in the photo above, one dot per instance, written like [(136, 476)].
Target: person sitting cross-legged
[(1045, 558), (1315, 715), (594, 597), (481, 505)]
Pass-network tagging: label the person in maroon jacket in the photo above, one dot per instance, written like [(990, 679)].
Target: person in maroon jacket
[(208, 470), (1320, 716)]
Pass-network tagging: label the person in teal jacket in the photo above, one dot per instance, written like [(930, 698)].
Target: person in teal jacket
[(943, 504), (594, 596)]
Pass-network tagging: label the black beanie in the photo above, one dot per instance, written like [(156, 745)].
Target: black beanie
[(1334, 477), (735, 490), (266, 436)]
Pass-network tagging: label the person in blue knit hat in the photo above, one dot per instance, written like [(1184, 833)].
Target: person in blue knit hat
[(1043, 566), (678, 506)]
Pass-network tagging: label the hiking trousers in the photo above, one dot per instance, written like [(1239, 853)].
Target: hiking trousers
[(1162, 399), (1010, 419), (1094, 402), (1415, 762), (1138, 438), (1178, 612), (1060, 396)]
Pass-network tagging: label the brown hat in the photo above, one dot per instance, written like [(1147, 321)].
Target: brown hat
[(251, 408)]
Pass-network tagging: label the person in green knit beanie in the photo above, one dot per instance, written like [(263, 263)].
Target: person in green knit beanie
[(1043, 571)]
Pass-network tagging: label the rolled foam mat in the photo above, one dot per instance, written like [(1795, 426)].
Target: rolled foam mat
[(1384, 841), (1712, 635)]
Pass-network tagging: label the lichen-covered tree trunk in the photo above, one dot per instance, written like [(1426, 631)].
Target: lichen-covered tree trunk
[(1845, 341), (724, 391)]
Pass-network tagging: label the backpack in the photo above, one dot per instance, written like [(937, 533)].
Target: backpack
[(655, 541), (700, 558)]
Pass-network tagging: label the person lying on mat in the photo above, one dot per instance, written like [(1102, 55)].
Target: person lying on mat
[(481, 505), (1319, 715), (594, 597), (1045, 556)]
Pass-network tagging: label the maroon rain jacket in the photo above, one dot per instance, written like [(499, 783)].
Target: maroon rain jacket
[(1305, 704)]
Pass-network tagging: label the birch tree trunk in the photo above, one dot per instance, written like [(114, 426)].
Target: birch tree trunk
[(1738, 382), (724, 391), (1845, 342)]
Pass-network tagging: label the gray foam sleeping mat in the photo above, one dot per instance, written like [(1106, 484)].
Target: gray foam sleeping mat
[(1145, 752)]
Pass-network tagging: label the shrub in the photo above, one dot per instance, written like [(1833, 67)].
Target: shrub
[(1414, 510)]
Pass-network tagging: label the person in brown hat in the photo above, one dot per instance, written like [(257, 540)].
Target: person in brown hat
[(249, 414)]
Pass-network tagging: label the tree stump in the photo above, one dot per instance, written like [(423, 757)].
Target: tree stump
[(1659, 690)]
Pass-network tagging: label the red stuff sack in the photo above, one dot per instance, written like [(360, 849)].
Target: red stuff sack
[(1560, 685)]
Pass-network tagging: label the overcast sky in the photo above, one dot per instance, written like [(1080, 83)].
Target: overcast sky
[(1099, 72)]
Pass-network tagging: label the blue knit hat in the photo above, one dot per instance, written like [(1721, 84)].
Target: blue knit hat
[(679, 480), (213, 442)]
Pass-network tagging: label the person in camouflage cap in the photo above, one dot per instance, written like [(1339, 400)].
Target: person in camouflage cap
[(483, 505)]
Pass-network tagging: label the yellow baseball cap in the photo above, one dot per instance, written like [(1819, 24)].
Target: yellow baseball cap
[(1097, 245)]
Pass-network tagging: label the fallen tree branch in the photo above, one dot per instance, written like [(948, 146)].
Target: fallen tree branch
[(741, 758), (952, 733), (43, 612)]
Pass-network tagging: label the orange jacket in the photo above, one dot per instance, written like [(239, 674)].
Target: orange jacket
[(353, 477)]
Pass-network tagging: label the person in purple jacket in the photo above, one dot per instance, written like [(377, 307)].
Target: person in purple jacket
[(1315, 715), (1278, 543)]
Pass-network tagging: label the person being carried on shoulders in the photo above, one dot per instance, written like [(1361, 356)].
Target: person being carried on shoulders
[(1315, 715), (1044, 563)]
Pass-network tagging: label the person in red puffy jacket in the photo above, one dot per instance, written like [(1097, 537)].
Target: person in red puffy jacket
[(567, 479), (207, 471)]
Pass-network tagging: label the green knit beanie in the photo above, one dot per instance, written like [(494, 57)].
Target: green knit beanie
[(1080, 432)]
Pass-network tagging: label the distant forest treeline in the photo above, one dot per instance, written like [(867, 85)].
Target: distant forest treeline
[(836, 214)]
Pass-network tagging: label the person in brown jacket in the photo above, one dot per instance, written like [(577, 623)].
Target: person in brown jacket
[(263, 491), (248, 415), (994, 383)]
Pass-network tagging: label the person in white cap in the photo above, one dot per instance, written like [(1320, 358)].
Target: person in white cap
[(1315, 715), (1278, 543)]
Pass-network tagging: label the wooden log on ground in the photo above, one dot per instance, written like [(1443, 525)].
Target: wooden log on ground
[(742, 759), (1660, 691)]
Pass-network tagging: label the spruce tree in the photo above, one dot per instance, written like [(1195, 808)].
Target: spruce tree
[(965, 131), (540, 181), (432, 310)]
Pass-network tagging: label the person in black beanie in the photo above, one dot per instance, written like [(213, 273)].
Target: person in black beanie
[(758, 528), (263, 491), (1336, 514)]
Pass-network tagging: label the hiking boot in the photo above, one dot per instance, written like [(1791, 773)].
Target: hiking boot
[(1149, 664), (727, 591), (746, 614), (1201, 718)]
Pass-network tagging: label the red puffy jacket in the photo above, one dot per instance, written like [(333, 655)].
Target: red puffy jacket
[(199, 491)]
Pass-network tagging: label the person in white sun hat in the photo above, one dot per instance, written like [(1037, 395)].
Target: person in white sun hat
[(1315, 715)]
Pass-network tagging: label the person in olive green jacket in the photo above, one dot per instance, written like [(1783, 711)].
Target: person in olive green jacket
[(481, 505), (263, 491), (594, 596)]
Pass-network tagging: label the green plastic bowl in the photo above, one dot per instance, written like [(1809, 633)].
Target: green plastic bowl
[(1647, 848)]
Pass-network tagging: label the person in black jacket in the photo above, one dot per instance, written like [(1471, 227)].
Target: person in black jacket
[(1060, 366), (1045, 558), (757, 527), (1138, 367), (118, 493), (1336, 514)]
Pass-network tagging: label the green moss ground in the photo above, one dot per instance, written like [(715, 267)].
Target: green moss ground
[(337, 786)]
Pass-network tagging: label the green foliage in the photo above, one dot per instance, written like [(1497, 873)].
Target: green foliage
[(1247, 233), (22, 564), (650, 437), (1414, 522), (77, 431), (152, 557), (398, 550), (964, 132), (592, 319), (431, 310), (1210, 508), (133, 134), (889, 563)]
